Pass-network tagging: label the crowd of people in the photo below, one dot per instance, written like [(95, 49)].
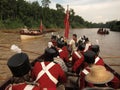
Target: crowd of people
[(61, 58)]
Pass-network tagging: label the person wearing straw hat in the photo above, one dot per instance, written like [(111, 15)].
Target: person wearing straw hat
[(20, 68), (89, 59), (47, 73), (100, 77)]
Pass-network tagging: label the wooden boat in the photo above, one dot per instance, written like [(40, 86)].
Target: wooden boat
[(31, 34), (68, 86), (102, 32)]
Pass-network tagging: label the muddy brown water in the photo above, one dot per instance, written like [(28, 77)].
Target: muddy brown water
[(109, 47)]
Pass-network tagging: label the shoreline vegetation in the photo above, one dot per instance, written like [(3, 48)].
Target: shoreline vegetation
[(19, 13)]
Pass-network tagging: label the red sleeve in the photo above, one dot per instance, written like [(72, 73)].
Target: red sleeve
[(77, 64), (64, 56), (115, 83), (62, 76), (82, 81), (35, 70), (100, 62)]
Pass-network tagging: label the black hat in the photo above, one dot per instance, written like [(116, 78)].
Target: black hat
[(81, 47), (60, 43), (19, 64), (50, 53), (95, 48), (89, 56), (54, 37)]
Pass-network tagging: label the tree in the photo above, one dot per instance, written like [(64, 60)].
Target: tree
[(45, 3), (60, 8)]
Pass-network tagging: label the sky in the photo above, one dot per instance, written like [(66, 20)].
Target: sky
[(96, 11)]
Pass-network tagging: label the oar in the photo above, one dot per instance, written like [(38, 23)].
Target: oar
[(104, 57), (114, 64), (23, 50)]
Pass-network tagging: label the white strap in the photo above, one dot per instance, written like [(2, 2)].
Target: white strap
[(45, 70), (85, 71), (76, 53), (97, 59), (60, 50), (29, 87), (10, 88)]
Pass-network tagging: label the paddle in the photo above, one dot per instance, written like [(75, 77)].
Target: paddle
[(23, 50)]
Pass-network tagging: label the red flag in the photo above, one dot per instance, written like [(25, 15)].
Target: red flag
[(66, 22), (41, 26)]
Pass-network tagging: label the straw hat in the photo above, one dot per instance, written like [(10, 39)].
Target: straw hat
[(99, 75)]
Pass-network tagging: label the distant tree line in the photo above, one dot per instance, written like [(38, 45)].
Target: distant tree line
[(20, 13), (113, 25)]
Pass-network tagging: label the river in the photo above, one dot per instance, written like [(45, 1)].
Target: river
[(109, 47)]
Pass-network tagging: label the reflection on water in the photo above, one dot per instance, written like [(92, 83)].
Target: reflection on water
[(109, 46)]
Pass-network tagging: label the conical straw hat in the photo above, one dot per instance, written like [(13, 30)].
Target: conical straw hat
[(99, 75)]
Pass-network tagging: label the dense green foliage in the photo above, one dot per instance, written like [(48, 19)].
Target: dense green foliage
[(19, 13)]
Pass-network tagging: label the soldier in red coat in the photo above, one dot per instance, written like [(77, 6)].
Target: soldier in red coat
[(100, 77), (78, 58), (90, 59), (20, 68), (98, 60), (62, 53), (48, 73), (54, 40)]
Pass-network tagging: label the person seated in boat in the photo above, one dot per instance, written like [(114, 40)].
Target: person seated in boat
[(47, 73), (54, 40), (98, 60), (78, 58), (87, 44), (100, 77), (25, 29), (89, 61), (62, 53), (20, 68), (89, 58), (73, 43), (59, 61)]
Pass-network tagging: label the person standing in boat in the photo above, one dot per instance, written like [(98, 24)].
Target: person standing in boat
[(73, 43), (48, 73), (20, 68)]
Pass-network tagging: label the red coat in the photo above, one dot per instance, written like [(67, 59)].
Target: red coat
[(64, 55), (82, 79), (77, 60), (64, 48), (44, 80), (98, 61), (23, 86)]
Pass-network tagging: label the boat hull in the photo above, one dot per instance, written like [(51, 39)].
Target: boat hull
[(26, 37)]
